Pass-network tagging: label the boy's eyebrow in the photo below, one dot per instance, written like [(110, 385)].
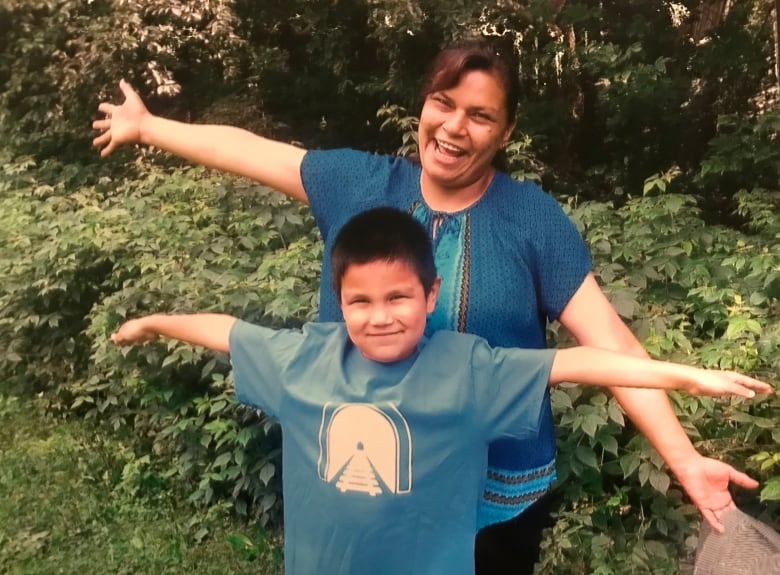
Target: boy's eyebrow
[(351, 294)]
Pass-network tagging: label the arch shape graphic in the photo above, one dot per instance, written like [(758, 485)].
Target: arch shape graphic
[(375, 438)]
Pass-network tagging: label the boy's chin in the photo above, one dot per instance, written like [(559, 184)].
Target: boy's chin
[(388, 356)]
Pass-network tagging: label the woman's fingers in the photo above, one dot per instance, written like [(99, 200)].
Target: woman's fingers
[(106, 108), (127, 90), (101, 140)]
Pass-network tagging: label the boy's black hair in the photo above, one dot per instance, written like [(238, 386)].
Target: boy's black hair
[(384, 234)]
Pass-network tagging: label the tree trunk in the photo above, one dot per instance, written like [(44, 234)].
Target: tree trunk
[(711, 14), (777, 44)]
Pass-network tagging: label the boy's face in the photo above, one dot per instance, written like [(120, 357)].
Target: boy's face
[(385, 308)]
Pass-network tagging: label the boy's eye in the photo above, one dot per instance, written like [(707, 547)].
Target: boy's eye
[(482, 117)]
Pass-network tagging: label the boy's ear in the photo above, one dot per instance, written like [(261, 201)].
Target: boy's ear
[(432, 295)]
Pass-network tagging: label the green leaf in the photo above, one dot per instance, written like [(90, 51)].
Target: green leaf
[(609, 443), (244, 436), (659, 480), (266, 473), (615, 413), (223, 459), (771, 491), (587, 456), (590, 425), (629, 463), (645, 469)]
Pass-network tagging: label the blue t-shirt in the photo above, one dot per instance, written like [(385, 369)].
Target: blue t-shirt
[(383, 463), (509, 263)]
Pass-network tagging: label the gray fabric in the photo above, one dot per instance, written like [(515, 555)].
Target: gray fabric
[(748, 547)]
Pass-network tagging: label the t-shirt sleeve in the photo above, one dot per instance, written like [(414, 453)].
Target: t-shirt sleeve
[(509, 388), (561, 257), (258, 356)]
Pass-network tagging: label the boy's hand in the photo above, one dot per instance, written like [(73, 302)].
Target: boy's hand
[(133, 332), (715, 382), (122, 124)]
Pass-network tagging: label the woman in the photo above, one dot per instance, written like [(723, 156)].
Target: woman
[(509, 260)]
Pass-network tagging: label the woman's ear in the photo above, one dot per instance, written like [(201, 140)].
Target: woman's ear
[(508, 133)]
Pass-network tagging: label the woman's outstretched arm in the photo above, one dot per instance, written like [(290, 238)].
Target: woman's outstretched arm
[(274, 164), (592, 320)]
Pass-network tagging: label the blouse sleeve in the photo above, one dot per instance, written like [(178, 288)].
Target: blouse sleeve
[(561, 259), (341, 183)]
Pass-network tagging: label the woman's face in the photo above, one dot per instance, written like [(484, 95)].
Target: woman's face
[(462, 128)]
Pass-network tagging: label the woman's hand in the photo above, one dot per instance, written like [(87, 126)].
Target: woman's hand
[(706, 481), (122, 124)]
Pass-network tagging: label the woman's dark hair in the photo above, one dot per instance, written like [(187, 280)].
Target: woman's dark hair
[(383, 234), (450, 64)]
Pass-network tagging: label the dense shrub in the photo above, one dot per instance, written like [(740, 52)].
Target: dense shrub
[(657, 132), (78, 261)]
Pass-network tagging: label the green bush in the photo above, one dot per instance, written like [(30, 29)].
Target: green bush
[(81, 255), (77, 264), (693, 293)]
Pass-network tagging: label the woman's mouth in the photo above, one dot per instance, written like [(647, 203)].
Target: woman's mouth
[(448, 149)]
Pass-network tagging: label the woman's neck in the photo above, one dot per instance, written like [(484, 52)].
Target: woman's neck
[(453, 199)]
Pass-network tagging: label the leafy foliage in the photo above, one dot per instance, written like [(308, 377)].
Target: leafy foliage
[(71, 504), (692, 293), (167, 242), (659, 134)]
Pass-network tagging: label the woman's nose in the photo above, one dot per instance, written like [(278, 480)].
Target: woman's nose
[(455, 123)]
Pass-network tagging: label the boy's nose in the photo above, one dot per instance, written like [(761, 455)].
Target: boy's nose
[(380, 316)]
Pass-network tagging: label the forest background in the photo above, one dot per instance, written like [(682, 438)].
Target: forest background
[(655, 124)]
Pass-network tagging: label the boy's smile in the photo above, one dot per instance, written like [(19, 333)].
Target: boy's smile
[(385, 308)]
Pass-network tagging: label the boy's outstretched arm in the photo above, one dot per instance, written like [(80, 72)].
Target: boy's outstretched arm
[(594, 366), (211, 330)]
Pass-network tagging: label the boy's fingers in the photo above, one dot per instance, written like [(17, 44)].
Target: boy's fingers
[(739, 390), (758, 385)]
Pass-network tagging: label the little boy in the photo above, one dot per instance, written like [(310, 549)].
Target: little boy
[(385, 433)]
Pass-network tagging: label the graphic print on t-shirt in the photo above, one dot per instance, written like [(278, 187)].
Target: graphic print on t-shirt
[(365, 448)]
